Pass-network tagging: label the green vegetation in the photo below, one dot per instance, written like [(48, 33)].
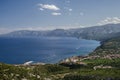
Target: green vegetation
[(109, 62), (36, 72), (90, 74), (111, 46), (63, 71)]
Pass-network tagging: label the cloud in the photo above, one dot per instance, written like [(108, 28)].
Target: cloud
[(41, 9), (67, 8), (81, 13), (108, 20), (56, 13), (48, 7), (70, 9)]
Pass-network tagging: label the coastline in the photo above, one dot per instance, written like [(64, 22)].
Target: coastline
[(92, 67)]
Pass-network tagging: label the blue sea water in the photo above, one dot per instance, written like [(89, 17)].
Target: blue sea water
[(43, 49)]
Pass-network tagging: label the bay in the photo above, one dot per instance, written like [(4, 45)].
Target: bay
[(43, 49)]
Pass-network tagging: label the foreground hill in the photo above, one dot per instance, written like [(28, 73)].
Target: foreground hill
[(96, 32), (100, 69)]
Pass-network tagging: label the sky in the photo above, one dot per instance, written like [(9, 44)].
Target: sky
[(54, 14)]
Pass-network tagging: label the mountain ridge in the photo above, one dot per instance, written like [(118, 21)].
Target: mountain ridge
[(96, 32)]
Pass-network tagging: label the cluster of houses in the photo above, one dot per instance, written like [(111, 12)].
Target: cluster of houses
[(112, 56), (79, 59), (75, 59)]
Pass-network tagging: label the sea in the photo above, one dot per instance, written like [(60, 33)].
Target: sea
[(43, 49)]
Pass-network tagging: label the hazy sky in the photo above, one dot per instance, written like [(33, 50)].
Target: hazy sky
[(50, 14)]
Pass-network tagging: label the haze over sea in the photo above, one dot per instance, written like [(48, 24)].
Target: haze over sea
[(43, 49)]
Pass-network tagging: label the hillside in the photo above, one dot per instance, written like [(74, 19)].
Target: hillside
[(100, 69), (110, 46), (96, 32)]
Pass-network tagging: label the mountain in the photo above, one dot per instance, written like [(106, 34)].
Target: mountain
[(28, 33), (96, 32)]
